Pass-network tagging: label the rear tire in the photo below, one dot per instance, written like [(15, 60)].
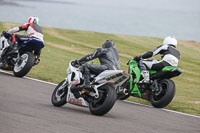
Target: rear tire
[(106, 100), (55, 96), (166, 96), (23, 66)]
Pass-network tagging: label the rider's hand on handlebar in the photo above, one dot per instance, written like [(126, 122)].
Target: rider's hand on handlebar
[(6, 34), (137, 58), (76, 63)]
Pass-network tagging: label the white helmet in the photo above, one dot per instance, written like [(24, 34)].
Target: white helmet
[(170, 40), (33, 19)]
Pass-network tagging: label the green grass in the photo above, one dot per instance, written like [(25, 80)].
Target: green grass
[(62, 45)]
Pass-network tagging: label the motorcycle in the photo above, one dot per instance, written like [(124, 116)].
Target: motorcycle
[(23, 59), (99, 100), (159, 91)]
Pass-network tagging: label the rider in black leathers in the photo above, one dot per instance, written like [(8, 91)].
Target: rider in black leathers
[(108, 57)]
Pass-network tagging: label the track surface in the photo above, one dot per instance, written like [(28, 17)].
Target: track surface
[(25, 107)]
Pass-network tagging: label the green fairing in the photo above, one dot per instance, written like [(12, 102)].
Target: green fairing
[(165, 69), (133, 67), (152, 72), (168, 68)]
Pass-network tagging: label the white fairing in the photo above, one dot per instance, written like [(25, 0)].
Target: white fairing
[(73, 74), (73, 77), (80, 101), (117, 77), (3, 44)]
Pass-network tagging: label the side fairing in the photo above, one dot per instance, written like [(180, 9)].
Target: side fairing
[(73, 74), (117, 77), (3, 44)]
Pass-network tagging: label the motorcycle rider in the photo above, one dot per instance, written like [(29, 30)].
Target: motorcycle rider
[(108, 57), (32, 29), (169, 57)]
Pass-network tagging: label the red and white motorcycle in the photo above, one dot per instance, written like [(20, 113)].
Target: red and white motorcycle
[(99, 100)]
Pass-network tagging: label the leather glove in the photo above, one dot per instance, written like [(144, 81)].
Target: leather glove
[(137, 58), (76, 63), (5, 34)]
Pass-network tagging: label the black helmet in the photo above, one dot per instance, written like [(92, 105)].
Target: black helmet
[(108, 44)]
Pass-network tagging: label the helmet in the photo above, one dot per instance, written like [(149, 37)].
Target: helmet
[(170, 41), (108, 44), (33, 19)]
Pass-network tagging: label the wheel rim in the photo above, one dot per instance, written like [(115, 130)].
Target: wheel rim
[(60, 92), (21, 63), (103, 94), (163, 86)]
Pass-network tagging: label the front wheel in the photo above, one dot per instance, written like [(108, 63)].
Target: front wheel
[(103, 104), (59, 95), (164, 95), (24, 64)]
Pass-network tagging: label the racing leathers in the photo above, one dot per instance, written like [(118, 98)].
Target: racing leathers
[(169, 57), (108, 58), (33, 31)]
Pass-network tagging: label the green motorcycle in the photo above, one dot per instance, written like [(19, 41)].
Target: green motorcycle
[(160, 91)]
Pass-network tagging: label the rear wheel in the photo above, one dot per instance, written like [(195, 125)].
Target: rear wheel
[(106, 100), (164, 95), (24, 64), (59, 95)]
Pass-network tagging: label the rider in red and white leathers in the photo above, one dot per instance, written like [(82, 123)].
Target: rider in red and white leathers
[(32, 29)]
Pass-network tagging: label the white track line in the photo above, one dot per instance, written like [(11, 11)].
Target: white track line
[(124, 100), (163, 109), (42, 81)]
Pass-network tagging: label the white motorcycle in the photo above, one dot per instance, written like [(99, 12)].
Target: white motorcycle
[(100, 100)]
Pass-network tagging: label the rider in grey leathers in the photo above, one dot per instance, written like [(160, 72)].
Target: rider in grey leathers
[(108, 57)]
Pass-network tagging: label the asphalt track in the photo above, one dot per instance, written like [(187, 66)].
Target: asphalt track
[(25, 107)]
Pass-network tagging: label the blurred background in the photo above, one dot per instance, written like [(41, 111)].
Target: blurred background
[(156, 18)]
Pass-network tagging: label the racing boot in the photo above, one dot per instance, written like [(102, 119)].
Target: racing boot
[(145, 75), (87, 81)]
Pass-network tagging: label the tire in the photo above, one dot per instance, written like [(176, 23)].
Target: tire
[(23, 66), (62, 100), (166, 96), (106, 100)]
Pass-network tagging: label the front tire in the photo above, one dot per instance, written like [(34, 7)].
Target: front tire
[(58, 99), (24, 65), (165, 96), (106, 100)]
